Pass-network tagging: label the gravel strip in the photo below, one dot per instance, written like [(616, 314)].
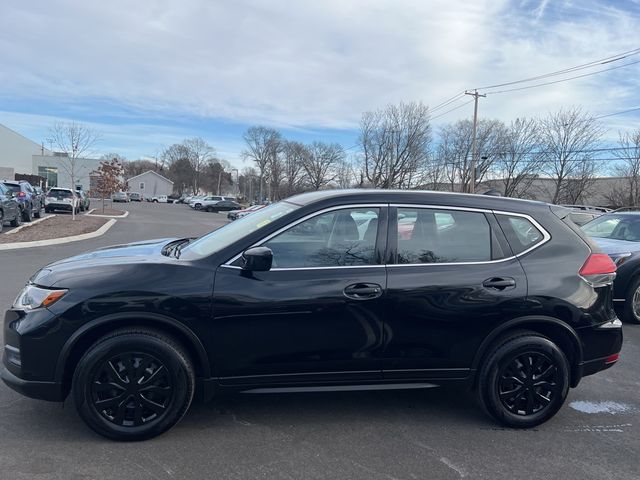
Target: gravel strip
[(56, 227)]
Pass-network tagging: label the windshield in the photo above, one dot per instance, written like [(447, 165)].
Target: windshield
[(615, 227), (232, 232)]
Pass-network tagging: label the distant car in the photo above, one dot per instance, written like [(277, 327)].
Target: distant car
[(61, 199), (222, 206), (9, 208), (235, 214), (160, 199), (83, 200), (618, 234), (31, 203), (196, 202), (120, 197), (135, 196)]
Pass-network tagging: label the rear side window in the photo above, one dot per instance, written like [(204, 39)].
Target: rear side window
[(521, 233), (12, 187), (443, 236)]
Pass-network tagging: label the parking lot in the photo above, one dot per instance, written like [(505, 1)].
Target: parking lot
[(414, 434)]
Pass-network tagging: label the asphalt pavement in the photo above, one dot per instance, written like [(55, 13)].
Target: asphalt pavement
[(438, 433)]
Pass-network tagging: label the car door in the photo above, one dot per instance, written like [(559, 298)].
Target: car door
[(451, 279), (317, 315)]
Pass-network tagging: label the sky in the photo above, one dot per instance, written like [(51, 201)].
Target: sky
[(150, 73)]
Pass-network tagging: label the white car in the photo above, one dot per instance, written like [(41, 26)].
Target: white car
[(159, 199), (61, 199)]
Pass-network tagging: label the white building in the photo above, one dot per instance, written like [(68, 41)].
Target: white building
[(19, 155), (150, 184)]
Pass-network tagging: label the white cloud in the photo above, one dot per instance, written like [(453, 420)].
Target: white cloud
[(308, 64)]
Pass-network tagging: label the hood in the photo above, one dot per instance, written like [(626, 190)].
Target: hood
[(92, 263), (613, 246)]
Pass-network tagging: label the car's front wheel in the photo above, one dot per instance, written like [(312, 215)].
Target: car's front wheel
[(524, 380), (133, 384), (17, 221), (631, 312)]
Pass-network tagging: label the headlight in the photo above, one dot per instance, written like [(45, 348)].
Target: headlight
[(35, 297)]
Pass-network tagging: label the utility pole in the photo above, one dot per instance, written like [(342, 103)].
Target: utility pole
[(474, 147)]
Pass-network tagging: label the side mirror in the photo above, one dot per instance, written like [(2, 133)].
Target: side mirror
[(257, 259)]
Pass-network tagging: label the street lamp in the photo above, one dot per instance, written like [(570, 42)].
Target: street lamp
[(237, 180)]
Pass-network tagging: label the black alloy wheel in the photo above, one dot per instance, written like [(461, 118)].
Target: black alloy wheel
[(133, 384), (528, 383), (524, 380), (131, 389), (1, 221)]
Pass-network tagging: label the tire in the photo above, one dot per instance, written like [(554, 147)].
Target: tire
[(17, 221), (197, 206), (1, 221), (511, 367), (38, 213), (629, 313), (139, 411), (26, 213), (155, 201), (208, 209)]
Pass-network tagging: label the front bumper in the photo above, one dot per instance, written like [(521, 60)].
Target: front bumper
[(51, 391)]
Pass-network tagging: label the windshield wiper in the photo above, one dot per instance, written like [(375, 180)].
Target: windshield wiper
[(178, 248), (173, 248)]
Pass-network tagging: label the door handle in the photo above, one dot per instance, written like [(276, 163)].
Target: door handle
[(363, 291), (498, 283)]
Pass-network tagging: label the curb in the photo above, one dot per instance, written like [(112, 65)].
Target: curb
[(125, 215), (58, 241), (25, 225)]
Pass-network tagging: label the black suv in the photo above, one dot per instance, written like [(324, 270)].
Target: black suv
[(9, 208), (31, 202), (361, 289)]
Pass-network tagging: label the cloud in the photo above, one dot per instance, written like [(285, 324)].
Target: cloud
[(304, 65)]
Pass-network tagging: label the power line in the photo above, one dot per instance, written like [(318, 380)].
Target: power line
[(602, 61), (617, 113), (448, 102), (564, 79), (449, 111)]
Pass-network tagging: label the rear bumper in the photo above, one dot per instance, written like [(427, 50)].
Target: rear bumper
[(602, 346), (59, 206), (51, 391)]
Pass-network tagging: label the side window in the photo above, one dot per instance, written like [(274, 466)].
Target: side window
[(442, 236), (520, 232), (338, 238)]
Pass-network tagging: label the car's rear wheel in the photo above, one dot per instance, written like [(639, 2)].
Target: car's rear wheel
[(17, 221), (524, 380), (38, 212), (26, 213), (631, 311), (1, 221), (133, 384)]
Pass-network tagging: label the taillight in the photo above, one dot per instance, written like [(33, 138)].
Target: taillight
[(599, 270), (598, 264), (22, 194), (612, 358)]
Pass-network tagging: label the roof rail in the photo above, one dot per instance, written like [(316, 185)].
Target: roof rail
[(628, 209), (588, 207)]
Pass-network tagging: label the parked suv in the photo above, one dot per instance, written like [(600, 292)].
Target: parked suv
[(63, 199), (31, 203), (321, 292), (9, 208)]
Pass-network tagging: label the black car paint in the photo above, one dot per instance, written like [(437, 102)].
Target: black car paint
[(294, 328), (9, 208)]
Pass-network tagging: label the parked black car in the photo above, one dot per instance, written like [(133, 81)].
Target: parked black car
[(618, 234), (9, 208), (223, 206), (31, 203), (321, 292)]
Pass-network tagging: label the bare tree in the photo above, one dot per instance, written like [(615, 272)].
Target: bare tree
[(75, 141), (345, 173), (629, 169), (200, 153), (321, 162), (568, 138), (518, 165), (454, 151), (395, 144), (295, 154), (262, 145)]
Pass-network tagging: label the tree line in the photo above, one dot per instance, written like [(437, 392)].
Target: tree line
[(398, 147)]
